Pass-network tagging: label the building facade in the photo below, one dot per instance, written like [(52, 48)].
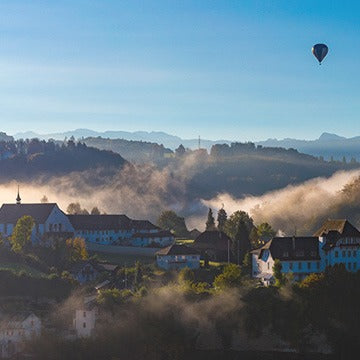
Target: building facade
[(337, 242), (176, 257)]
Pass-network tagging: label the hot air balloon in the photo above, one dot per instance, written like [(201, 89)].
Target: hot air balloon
[(320, 51)]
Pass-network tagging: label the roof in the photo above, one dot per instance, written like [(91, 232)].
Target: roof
[(79, 266), (11, 213), (341, 226), (212, 239), (158, 234), (292, 248), (99, 222), (109, 222), (177, 250)]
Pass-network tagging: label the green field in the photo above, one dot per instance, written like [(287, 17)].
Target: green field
[(17, 268), (120, 259)]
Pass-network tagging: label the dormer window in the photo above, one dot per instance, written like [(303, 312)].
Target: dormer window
[(286, 254)]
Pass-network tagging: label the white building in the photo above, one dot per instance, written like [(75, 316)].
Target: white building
[(336, 242), (340, 244), (50, 221), (176, 257), (118, 230), (85, 319), (15, 330), (298, 255), (158, 239)]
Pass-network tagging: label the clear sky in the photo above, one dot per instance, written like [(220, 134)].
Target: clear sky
[(240, 70)]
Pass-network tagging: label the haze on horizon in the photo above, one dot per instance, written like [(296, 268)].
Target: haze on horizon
[(224, 70)]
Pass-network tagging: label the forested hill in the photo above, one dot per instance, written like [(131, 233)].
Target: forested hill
[(137, 151), (23, 160)]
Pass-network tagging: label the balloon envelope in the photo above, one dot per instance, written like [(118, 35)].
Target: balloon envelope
[(320, 51)]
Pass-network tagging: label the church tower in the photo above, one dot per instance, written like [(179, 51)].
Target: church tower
[(18, 198)]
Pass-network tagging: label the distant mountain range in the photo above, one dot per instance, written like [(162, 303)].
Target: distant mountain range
[(159, 137), (327, 145)]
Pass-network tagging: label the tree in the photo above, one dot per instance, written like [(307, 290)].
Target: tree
[(169, 220), (95, 211), (138, 275), (241, 242), (232, 223), (186, 275), (21, 235), (44, 199), (261, 234), (210, 222), (277, 273), (247, 264), (221, 219), (180, 151), (75, 209), (229, 278), (76, 249)]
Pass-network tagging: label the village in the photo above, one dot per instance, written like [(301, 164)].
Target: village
[(102, 283)]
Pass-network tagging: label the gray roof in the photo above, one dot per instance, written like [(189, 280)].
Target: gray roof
[(11, 213), (177, 250), (99, 222), (292, 248), (341, 226)]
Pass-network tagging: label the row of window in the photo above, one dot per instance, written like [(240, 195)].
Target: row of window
[(344, 253)]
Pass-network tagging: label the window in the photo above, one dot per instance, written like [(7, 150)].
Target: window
[(349, 253), (300, 265), (286, 254), (343, 253), (290, 266), (268, 266), (84, 325), (349, 266), (50, 227), (309, 265), (336, 254), (354, 266), (84, 314), (354, 253), (60, 227), (326, 262)]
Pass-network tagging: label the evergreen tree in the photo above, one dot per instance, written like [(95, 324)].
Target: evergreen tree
[(221, 219), (241, 242), (210, 222)]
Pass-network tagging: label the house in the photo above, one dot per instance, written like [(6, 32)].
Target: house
[(85, 319), (15, 330), (298, 255), (336, 242), (153, 239), (175, 257), (110, 229), (213, 243), (50, 221), (340, 244), (84, 271)]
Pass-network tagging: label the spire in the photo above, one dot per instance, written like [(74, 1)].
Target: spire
[(18, 198)]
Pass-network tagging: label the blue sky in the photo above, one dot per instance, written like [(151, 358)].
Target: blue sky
[(240, 70)]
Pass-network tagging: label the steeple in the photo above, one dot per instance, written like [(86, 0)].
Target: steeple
[(18, 198)]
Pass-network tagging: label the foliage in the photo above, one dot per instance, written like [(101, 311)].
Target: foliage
[(186, 275), (75, 209), (232, 223), (169, 220), (21, 236), (229, 278), (95, 211), (277, 273), (247, 264), (76, 249), (221, 219), (261, 234), (210, 222)]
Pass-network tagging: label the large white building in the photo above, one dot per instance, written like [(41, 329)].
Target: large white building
[(119, 230), (50, 221), (15, 330), (336, 242)]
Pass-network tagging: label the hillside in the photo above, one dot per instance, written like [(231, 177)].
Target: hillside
[(134, 151), (28, 160)]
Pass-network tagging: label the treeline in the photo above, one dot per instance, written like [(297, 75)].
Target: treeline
[(136, 151), (21, 159)]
